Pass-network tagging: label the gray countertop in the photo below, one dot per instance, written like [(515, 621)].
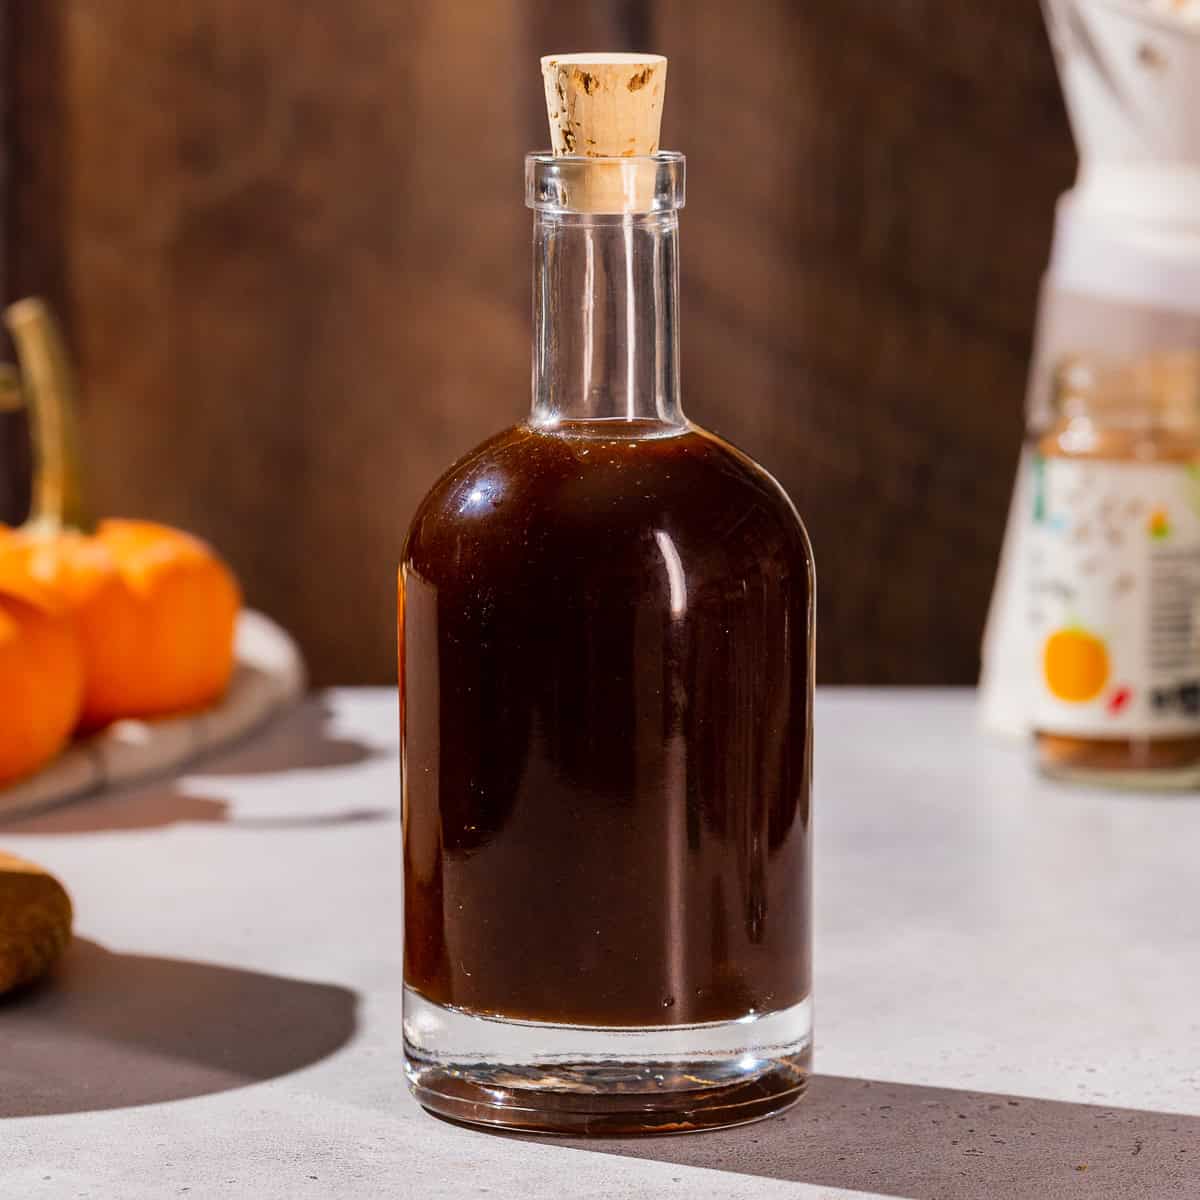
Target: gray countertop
[(1007, 975)]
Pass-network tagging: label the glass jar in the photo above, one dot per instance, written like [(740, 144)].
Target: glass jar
[(606, 637), (1115, 573)]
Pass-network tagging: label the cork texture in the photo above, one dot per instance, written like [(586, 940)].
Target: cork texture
[(604, 105)]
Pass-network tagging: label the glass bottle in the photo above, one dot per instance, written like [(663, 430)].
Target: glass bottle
[(606, 640), (1115, 573)]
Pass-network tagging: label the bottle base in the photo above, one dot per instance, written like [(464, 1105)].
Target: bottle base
[(605, 1081), (1184, 779), (1143, 764)]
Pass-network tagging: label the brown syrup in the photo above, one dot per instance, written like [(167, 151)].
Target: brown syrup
[(606, 678)]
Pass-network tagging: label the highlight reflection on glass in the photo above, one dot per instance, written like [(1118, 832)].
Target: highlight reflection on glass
[(675, 579), (484, 492)]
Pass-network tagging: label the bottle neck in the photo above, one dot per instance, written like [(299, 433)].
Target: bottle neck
[(605, 315)]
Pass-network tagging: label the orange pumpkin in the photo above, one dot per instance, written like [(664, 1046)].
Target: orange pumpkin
[(155, 607), (156, 611), (41, 669)]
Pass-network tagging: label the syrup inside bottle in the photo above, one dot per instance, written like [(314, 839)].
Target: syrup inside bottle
[(606, 677)]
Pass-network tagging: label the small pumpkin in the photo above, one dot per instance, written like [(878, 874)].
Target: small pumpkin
[(155, 607), (41, 669)]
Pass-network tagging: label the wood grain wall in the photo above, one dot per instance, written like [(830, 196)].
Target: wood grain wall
[(290, 248)]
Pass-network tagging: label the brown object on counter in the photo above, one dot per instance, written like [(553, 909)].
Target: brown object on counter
[(1145, 411), (35, 921)]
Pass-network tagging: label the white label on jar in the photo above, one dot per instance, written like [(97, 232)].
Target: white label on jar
[(1115, 600)]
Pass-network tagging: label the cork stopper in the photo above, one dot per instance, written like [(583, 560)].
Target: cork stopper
[(604, 105), (607, 107)]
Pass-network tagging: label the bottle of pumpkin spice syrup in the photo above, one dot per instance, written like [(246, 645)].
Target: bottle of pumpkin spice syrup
[(606, 653)]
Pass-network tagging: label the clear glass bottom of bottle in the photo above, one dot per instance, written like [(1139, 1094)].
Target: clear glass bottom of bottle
[(547, 1078)]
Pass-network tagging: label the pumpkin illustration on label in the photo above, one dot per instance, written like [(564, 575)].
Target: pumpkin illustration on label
[(1159, 527), (1075, 664)]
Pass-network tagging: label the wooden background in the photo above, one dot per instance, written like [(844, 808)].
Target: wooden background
[(288, 241)]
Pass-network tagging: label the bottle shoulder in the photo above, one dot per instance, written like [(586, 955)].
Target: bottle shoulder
[(528, 490)]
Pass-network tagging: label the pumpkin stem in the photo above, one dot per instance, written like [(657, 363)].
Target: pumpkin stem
[(50, 390)]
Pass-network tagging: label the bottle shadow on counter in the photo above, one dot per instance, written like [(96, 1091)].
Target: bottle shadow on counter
[(931, 1143), (111, 1030)]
